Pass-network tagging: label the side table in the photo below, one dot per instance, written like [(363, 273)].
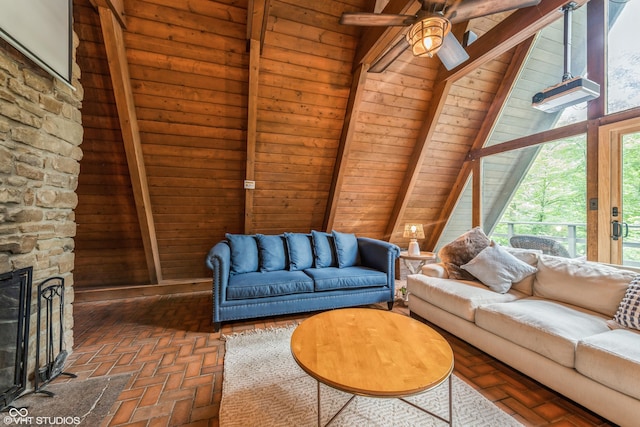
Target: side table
[(423, 258)]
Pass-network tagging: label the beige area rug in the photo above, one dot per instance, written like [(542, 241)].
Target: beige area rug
[(75, 403), (263, 386)]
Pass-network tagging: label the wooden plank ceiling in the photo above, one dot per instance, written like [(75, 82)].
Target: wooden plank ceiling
[(211, 93)]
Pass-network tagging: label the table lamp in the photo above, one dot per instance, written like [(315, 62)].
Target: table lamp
[(413, 231)]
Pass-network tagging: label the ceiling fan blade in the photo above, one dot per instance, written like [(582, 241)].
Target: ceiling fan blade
[(451, 10), (451, 52), (469, 9), (389, 56), (376, 19)]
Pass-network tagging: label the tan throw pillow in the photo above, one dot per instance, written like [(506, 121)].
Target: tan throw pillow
[(461, 251)]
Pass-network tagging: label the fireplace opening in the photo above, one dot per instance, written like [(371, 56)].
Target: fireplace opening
[(15, 303)]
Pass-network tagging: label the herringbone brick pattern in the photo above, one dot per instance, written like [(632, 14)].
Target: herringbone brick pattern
[(175, 359)]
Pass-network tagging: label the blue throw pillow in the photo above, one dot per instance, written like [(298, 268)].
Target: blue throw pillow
[(300, 253), (244, 253), (272, 254), (346, 249), (324, 249)]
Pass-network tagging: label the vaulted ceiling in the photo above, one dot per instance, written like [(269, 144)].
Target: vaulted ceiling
[(184, 101)]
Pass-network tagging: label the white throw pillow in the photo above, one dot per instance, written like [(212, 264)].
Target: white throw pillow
[(628, 314), (497, 268)]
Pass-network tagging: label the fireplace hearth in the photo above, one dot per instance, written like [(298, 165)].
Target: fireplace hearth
[(15, 303)]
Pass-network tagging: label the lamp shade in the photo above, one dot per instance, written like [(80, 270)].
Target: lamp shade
[(427, 35), (413, 231)]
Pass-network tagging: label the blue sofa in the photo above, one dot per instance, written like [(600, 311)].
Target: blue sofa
[(267, 275)]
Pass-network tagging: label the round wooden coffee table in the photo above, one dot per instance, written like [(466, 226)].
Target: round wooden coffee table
[(374, 353)]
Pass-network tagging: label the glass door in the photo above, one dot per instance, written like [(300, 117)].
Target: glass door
[(619, 183), (628, 228)]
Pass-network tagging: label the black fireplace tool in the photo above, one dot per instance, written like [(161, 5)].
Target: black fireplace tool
[(49, 292)]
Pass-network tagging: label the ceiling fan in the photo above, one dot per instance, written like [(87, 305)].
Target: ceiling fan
[(430, 29)]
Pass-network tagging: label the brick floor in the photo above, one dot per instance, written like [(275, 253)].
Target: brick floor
[(168, 345)]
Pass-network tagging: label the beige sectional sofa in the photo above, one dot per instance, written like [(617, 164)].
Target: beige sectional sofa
[(554, 325)]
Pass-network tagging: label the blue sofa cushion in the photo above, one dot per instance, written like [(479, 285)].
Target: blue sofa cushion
[(272, 252), (346, 249), (300, 253), (244, 253), (269, 284), (324, 249), (331, 278)]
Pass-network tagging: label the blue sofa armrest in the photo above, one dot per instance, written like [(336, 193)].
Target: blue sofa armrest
[(381, 256), (378, 254), (219, 261)]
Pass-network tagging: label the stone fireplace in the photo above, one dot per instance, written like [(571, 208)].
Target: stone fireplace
[(40, 136)]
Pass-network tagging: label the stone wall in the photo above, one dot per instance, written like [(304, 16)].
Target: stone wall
[(40, 137)]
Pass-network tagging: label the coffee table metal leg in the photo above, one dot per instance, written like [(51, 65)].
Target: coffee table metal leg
[(450, 402), (336, 414), (450, 420), (318, 383)]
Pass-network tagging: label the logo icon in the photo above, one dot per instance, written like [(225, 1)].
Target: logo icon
[(18, 412)]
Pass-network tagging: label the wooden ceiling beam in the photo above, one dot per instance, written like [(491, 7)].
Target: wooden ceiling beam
[(252, 131), (597, 22), (257, 15), (346, 141), (123, 92), (529, 140), (115, 6)]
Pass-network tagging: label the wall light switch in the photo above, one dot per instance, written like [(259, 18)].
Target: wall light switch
[(249, 185)]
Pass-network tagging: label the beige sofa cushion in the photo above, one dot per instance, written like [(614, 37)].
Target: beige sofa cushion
[(612, 359), (458, 297), (590, 285), (549, 328)]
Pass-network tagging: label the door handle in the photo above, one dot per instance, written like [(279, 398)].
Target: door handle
[(615, 230)]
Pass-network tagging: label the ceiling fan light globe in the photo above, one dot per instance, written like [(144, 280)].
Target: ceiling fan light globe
[(426, 36)]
